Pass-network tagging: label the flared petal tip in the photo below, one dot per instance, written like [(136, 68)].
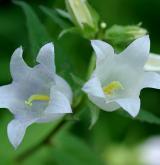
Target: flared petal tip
[(49, 45), (18, 52)]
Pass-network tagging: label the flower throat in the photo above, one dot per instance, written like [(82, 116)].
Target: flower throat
[(112, 87)]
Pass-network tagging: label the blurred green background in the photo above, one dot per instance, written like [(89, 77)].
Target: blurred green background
[(113, 139)]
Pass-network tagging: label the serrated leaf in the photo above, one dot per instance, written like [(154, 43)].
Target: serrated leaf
[(94, 114), (37, 33), (54, 15)]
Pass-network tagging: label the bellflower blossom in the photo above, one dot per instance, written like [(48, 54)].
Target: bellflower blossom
[(36, 94), (118, 78)]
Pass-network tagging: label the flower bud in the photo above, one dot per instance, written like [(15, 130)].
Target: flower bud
[(121, 36), (80, 13)]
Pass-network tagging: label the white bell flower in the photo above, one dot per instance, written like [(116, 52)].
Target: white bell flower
[(36, 94), (118, 78)]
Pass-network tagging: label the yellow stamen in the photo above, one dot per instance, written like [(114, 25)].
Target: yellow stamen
[(112, 87), (37, 98)]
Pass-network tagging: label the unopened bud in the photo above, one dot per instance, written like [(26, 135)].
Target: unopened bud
[(80, 13), (121, 36)]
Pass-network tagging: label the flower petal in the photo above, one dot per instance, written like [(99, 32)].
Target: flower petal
[(6, 96), (102, 50), (151, 80), (105, 58), (16, 131), (17, 65), (63, 87), (93, 87), (59, 103), (153, 63), (49, 117), (131, 105), (10, 98), (137, 52), (103, 104), (46, 57)]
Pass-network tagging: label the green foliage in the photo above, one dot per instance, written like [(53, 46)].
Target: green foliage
[(94, 114), (73, 151), (36, 31), (69, 30), (95, 16), (148, 117), (78, 95), (58, 16), (143, 116), (64, 14)]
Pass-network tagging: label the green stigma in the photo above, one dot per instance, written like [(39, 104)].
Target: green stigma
[(36, 98), (112, 87)]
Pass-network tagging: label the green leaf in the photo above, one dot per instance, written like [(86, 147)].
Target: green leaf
[(95, 15), (37, 33), (73, 151), (148, 117), (69, 30), (77, 80), (88, 31), (143, 116), (78, 94), (55, 16), (64, 14), (94, 114)]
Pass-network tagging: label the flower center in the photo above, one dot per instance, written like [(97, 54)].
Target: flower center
[(37, 97), (112, 87)]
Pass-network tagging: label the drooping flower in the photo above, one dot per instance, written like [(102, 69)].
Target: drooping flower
[(118, 78), (36, 94)]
